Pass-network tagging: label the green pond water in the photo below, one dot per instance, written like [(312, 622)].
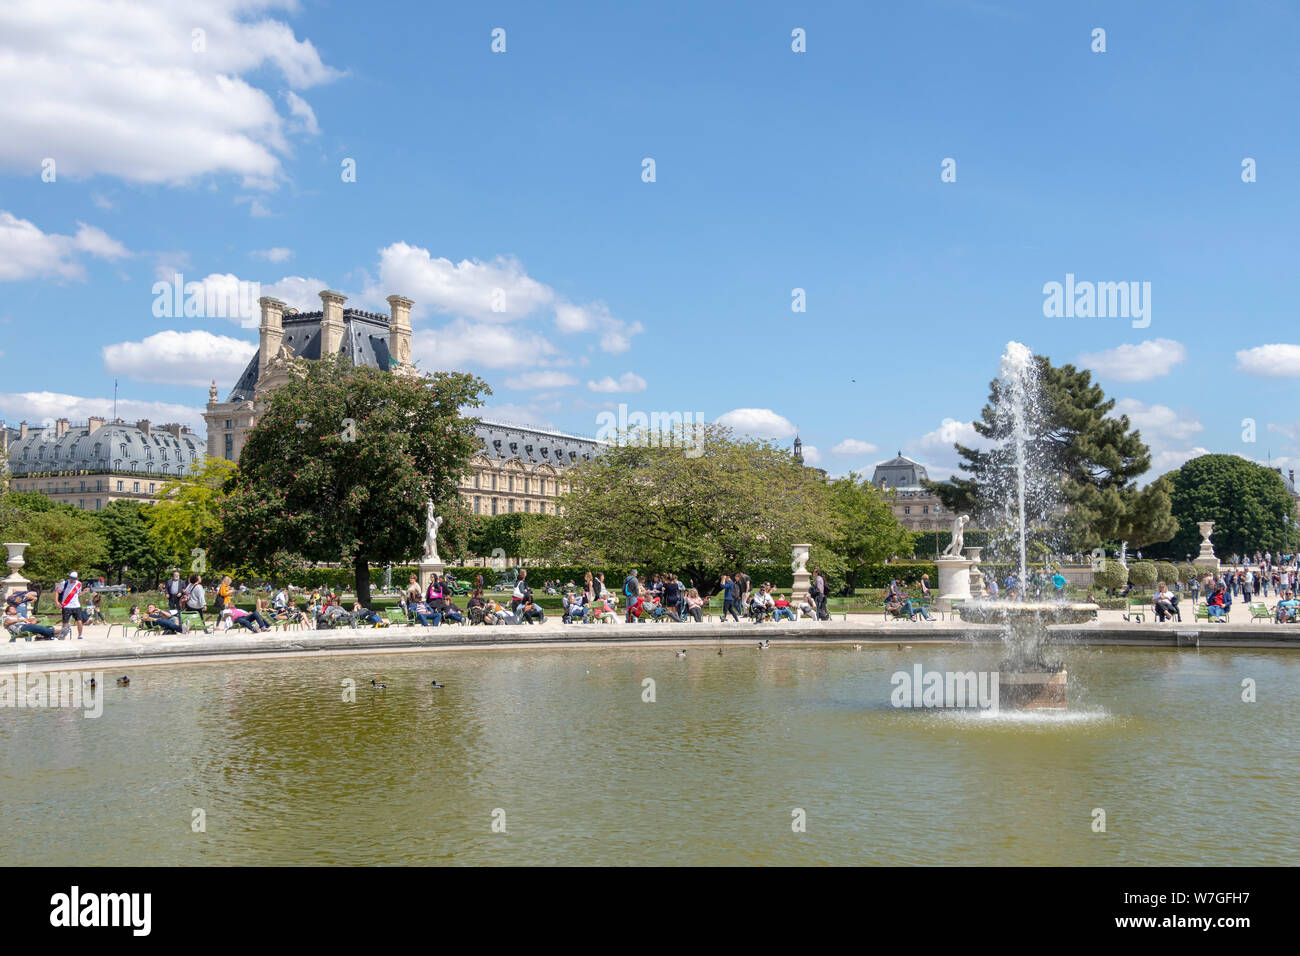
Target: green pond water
[(585, 772)]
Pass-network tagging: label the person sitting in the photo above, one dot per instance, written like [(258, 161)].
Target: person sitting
[(20, 622), (425, 615), (529, 612), (914, 609), (763, 606), (1166, 603), (155, 616), (364, 615), (806, 608), (695, 605), (893, 604), (1287, 609), (574, 607), (603, 610), (500, 615), (1216, 605), (782, 609), (635, 608), (332, 615), (134, 615), (477, 608), (450, 612)]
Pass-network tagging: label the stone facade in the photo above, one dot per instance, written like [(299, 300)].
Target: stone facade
[(915, 508), (88, 466), (518, 468)]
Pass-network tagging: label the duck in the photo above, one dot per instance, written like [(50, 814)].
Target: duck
[(680, 653), (93, 682), (764, 645), (719, 652), (436, 686), (378, 686), (857, 647), (124, 682), (904, 647)]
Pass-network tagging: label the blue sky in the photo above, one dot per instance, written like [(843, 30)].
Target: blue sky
[(774, 171)]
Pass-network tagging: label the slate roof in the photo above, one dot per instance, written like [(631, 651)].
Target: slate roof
[(365, 343)]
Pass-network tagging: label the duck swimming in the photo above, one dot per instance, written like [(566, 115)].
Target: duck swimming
[(124, 682), (764, 645), (378, 686), (680, 653), (93, 682), (436, 686)]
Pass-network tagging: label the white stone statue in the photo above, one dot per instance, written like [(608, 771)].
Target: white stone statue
[(800, 554), (431, 524), (1123, 553), (958, 537)]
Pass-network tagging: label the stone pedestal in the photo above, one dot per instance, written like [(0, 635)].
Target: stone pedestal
[(1032, 690), (954, 581), (426, 569), (802, 578), (1206, 558), (15, 582), (976, 578)]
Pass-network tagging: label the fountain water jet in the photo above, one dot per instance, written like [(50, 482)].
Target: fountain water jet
[(1028, 681)]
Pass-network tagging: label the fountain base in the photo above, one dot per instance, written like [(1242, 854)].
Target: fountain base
[(1032, 686)]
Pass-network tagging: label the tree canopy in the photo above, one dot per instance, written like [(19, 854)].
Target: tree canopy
[(1250, 506), (340, 464), (739, 504), (1090, 460)]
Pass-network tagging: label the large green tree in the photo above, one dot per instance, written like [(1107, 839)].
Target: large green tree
[(1088, 460), (60, 540), (340, 465), (1250, 506), (737, 504), (131, 546), (867, 531), (185, 515)]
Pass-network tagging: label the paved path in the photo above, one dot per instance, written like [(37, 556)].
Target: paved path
[(98, 648)]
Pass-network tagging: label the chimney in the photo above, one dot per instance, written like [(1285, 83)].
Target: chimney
[(399, 329), (331, 322), (22, 430), (1291, 472), (60, 427), (270, 332), (172, 428), (143, 425), (95, 422)]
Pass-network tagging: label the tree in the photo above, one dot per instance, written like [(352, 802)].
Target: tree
[(1112, 575), (1248, 503), (497, 534), (61, 540), (737, 504), (186, 514), (1088, 460), (125, 527), (868, 532), (1143, 574), (341, 463)]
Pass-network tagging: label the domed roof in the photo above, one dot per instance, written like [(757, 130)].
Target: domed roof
[(113, 446), (899, 472)]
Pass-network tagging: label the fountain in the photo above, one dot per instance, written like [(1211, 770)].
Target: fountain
[(1028, 681)]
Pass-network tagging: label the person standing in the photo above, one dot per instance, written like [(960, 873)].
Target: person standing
[(68, 593), (729, 599), (223, 594), (196, 599), (631, 591), (520, 595), (820, 595), (743, 587), (174, 588)]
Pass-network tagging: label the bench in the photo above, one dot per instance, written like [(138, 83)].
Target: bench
[(1203, 613)]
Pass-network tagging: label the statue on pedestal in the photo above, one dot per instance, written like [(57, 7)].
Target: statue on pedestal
[(958, 541), (431, 524)]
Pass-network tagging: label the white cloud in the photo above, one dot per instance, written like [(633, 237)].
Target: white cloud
[(274, 254), (303, 115), (256, 208), (497, 291), (935, 448), (180, 358), (121, 90), (461, 344), (541, 380), (1168, 459), (535, 415), (297, 292), (1270, 361), (853, 446), (28, 253), (1160, 425), (812, 455), (1140, 362), (758, 423), (38, 408), (627, 382)]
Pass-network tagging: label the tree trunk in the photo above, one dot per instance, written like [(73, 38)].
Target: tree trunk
[(361, 568)]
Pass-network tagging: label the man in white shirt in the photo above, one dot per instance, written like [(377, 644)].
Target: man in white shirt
[(68, 595)]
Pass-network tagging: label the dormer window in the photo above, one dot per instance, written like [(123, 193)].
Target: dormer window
[(546, 452), (514, 448)]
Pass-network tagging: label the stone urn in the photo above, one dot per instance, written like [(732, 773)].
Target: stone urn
[(1206, 558), (799, 563), (15, 582)]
